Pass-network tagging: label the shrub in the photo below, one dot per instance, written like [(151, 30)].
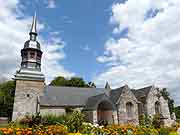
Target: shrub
[(164, 131), (31, 121), (145, 120), (157, 121), (147, 131), (74, 121), (51, 119), (173, 133)]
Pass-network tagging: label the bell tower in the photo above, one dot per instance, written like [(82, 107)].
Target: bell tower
[(29, 79)]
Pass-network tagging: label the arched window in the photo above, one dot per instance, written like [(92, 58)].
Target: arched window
[(129, 109), (157, 108)]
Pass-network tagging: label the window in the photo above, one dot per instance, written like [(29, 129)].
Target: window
[(24, 55), (157, 108), (32, 55), (38, 55), (129, 109)]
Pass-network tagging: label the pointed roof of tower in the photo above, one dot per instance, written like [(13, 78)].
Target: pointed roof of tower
[(107, 86), (34, 24), (32, 42)]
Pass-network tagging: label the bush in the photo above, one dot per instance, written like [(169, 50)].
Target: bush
[(51, 119), (145, 120), (157, 121), (74, 121), (173, 133), (164, 131), (147, 131), (30, 121)]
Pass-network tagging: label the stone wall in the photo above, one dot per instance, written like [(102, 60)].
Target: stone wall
[(26, 95), (152, 98), (23, 85), (150, 102), (127, 97), (52, 110), (164, 108)]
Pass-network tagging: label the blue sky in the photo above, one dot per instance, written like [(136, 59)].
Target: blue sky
[(134, 42), (83, 26)]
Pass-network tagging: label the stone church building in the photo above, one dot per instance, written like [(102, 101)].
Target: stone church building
[(119, 106)]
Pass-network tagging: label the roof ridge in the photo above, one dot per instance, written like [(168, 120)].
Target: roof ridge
[(72, 87), (119, 88), (144, 88)]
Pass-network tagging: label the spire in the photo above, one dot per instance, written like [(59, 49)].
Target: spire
[(33, 31), (107, 86)]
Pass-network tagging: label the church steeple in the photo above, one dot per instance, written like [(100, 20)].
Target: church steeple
[(31, 53), (33, 31), (33, 26), (29, 78), (107, 86)]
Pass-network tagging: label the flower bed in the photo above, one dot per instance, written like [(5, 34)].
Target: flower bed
[(90, 130), (40, 130)]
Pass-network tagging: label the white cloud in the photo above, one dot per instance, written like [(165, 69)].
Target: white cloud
[(150, 53), (50, 4), (53, 54), (12, 38), (85, 48)]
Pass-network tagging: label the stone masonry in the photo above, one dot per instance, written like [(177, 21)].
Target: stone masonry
[(26, 97)]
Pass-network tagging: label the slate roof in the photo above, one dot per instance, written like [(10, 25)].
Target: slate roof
[(68, 96), (141, 94), (115, 94), (85, 97), (94, 100)]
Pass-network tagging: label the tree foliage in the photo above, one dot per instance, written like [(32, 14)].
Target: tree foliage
[(177, 112), (7, 91), (59, 81), (72, 82), (166, 96)]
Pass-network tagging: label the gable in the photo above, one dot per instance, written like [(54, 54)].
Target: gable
[(126, 95), (142, 94), (93, 102), (115, 94)]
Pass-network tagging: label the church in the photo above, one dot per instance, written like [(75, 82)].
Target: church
[(122, 105)]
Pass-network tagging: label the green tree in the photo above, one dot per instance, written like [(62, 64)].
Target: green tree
[(76, 82), (59, 81), (91, 84), (177, 112), (166, 96), (72, 82), (7, 91)]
